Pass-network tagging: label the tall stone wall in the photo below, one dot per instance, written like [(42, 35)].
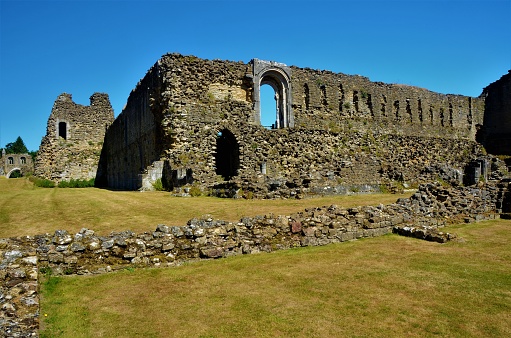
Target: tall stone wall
[(199, 118), (135, 140), (496, 131), (74, 138), (329, 101)]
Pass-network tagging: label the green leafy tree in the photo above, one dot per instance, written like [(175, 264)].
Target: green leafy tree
[(16, 147), (33, 154)]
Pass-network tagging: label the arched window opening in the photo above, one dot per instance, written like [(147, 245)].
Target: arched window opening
[(268, 107), (10, 160), (227, 157), (63, 130), (23, 160), (278, 77)]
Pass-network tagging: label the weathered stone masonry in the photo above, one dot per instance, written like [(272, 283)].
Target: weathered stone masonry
[(74, 138), (10, 163), (196, 122), (495, 134)]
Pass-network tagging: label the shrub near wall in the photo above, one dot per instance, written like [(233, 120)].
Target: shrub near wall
[(77, 183)]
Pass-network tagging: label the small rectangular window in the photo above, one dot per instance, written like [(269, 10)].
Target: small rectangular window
[(63, 130)]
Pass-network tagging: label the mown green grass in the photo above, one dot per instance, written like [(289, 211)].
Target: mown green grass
[(389, 286), (29, 210)]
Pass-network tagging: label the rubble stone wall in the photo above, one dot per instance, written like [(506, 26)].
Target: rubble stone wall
[(496, 132), (423, 216), (74, 138), (348, 132)]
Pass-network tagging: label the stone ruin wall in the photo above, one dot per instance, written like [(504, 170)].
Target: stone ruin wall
[(349, 133), (496, 132), (12, 162), (385, 108), (74, 138), (135, 139)]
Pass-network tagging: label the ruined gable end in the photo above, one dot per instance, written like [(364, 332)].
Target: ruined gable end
[(74, 138)]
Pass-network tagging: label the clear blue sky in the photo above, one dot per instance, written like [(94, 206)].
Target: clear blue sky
[(82, 47)]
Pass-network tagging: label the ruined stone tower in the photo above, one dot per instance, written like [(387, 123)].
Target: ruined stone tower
[(74, 138)]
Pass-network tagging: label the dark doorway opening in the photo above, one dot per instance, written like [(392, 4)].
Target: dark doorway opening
[(16, 173), (63, 130), (227, 158)]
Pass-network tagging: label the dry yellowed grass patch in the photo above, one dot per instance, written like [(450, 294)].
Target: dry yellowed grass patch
[(29, 210), (387, 286)]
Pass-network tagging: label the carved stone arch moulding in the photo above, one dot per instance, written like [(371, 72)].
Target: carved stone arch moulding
[(278, 76)]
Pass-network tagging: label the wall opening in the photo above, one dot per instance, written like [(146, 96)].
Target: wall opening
[(324, 100), (419, 108), (10, 160), (279, 96), (23, 160), (341, 97), (15, 173), (396, 110), (227, 157), (278, 77), (268, 107), (384, 106), (63, 130), (355, 101), (409, 110), (306, 96)]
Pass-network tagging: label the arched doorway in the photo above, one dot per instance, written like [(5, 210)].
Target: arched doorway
[(278, 77), (227, 158), (15, 173)]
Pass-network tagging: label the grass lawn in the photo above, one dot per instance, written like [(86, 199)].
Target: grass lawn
[(29, 210), (389, 286)]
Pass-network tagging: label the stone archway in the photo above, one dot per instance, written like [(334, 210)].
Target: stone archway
[(14, 170), (278, 76)]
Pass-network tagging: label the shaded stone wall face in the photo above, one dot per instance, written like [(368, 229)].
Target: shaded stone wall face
[(135, 139), (74, 138), (496, 133), (349, 133)]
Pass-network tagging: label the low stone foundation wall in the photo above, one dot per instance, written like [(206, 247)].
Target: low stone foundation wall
[(422, 216)]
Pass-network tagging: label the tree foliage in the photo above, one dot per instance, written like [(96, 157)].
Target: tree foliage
[(16, 147)]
